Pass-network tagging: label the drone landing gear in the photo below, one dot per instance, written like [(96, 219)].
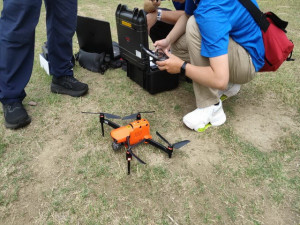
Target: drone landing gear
[(129, 153), (128, 158)]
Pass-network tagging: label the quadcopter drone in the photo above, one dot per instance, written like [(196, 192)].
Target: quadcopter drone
[(133, 134)]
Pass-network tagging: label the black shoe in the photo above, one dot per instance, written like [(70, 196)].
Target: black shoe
[(68, 85), (15, 115)]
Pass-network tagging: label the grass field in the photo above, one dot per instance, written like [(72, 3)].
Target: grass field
[(60, 170)]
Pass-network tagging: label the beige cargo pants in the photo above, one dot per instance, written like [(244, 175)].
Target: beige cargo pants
[(188, 47)]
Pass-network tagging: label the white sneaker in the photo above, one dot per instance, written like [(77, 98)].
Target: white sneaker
[(201, 117), (231, 90)]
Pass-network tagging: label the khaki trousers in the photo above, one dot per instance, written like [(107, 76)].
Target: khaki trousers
[(188, 47)]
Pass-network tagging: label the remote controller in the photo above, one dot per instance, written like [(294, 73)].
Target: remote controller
[(157, 55)]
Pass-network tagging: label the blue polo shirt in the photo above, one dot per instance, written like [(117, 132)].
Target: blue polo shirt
[(219, 20)]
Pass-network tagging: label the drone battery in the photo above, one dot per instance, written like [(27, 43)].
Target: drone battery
[(132, 37)]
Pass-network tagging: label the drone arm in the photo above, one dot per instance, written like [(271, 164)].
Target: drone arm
[(160, 146), (110, 123)]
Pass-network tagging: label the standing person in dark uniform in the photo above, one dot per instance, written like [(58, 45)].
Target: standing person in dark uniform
[(161, 20), (17, 35)]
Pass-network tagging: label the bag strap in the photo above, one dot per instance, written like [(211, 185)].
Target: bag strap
[(281, 24), (259, 17)]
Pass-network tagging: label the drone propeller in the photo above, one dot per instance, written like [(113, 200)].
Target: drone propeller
[(136, 115), (101, 117), (107, 115), (132, 146), (135, 156), (176, 145)]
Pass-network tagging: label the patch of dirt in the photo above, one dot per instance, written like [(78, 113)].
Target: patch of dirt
[(264, 122), (51, 164)]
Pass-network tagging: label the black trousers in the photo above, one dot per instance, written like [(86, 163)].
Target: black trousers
[(17, 36), (160, 29)]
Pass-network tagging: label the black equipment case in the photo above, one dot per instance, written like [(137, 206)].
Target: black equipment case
[(132, 33)]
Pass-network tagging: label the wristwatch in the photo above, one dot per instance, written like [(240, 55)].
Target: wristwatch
[(182, 69), (159, 12)]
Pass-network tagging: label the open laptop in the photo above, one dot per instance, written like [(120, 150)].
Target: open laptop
[(95, 36)]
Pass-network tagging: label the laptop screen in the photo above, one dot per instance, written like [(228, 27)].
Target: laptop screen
[(94, 35)]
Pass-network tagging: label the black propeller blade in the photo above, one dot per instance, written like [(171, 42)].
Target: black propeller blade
[(165, 140), (107, 115), (102, 115), (135, 156), (132, 146), (176, 145), (180, 144), (133, 116)]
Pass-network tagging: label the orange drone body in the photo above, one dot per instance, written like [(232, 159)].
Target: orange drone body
[(133, 134), (136, 131)]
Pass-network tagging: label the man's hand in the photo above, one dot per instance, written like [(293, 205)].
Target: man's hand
[(156, 3), (151, 5), (163, 44), (172, 64)]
